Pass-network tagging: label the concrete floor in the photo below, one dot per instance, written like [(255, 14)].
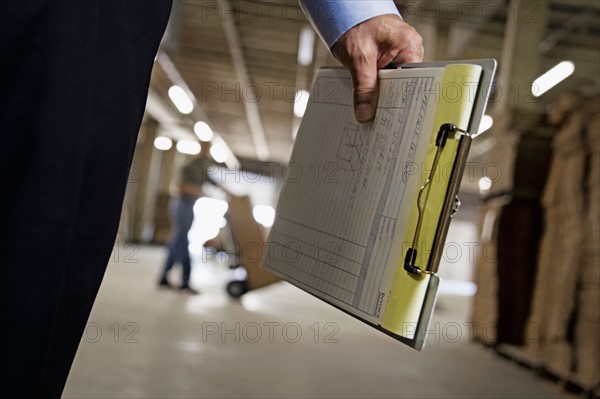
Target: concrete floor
[(277, 342)]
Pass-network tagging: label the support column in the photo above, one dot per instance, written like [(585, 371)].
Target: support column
[(521, 60), (141, 178), (160, 216)]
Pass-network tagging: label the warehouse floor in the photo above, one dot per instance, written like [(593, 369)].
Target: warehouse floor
[(142, 342)]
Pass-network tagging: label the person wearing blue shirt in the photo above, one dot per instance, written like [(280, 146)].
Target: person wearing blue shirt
[(75, 78)]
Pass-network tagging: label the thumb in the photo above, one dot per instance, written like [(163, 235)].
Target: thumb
[(364, 79)]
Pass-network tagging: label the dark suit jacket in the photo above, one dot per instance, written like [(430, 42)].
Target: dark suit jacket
[(74, 76)]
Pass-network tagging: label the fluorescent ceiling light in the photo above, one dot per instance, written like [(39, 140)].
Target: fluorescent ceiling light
[(218, 152), (486, 123), (163, 143), (203, 131), (306, 46), (457, 287), (300, 102), (551, 78), (181, 99), (188, 147), (485, 183)]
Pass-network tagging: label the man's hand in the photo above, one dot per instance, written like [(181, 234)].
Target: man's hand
[(370, 46)]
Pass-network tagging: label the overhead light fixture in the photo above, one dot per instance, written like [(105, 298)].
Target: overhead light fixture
[(218, 152), (486, 123), (163, 143), (306, 46), (188, 147), (300, 102), (554, 76), (203, 131), (181, 99), (485, 183)]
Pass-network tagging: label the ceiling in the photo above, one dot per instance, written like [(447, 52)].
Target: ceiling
[(239, 60)]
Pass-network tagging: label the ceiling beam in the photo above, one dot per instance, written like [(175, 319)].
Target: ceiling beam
[(519, 64), (252, 112), (571, 25)]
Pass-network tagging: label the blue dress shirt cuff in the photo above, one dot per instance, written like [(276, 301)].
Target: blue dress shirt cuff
[(332, 18)]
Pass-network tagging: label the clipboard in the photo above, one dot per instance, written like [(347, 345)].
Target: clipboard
[(451, 202), (403, 306)]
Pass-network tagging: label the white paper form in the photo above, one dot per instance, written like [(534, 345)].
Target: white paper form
[(349, 189)]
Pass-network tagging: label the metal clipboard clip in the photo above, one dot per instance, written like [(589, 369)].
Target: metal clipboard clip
[(451, 202)]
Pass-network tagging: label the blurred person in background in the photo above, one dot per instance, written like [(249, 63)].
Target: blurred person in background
[(75, 77), (194, 175)]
